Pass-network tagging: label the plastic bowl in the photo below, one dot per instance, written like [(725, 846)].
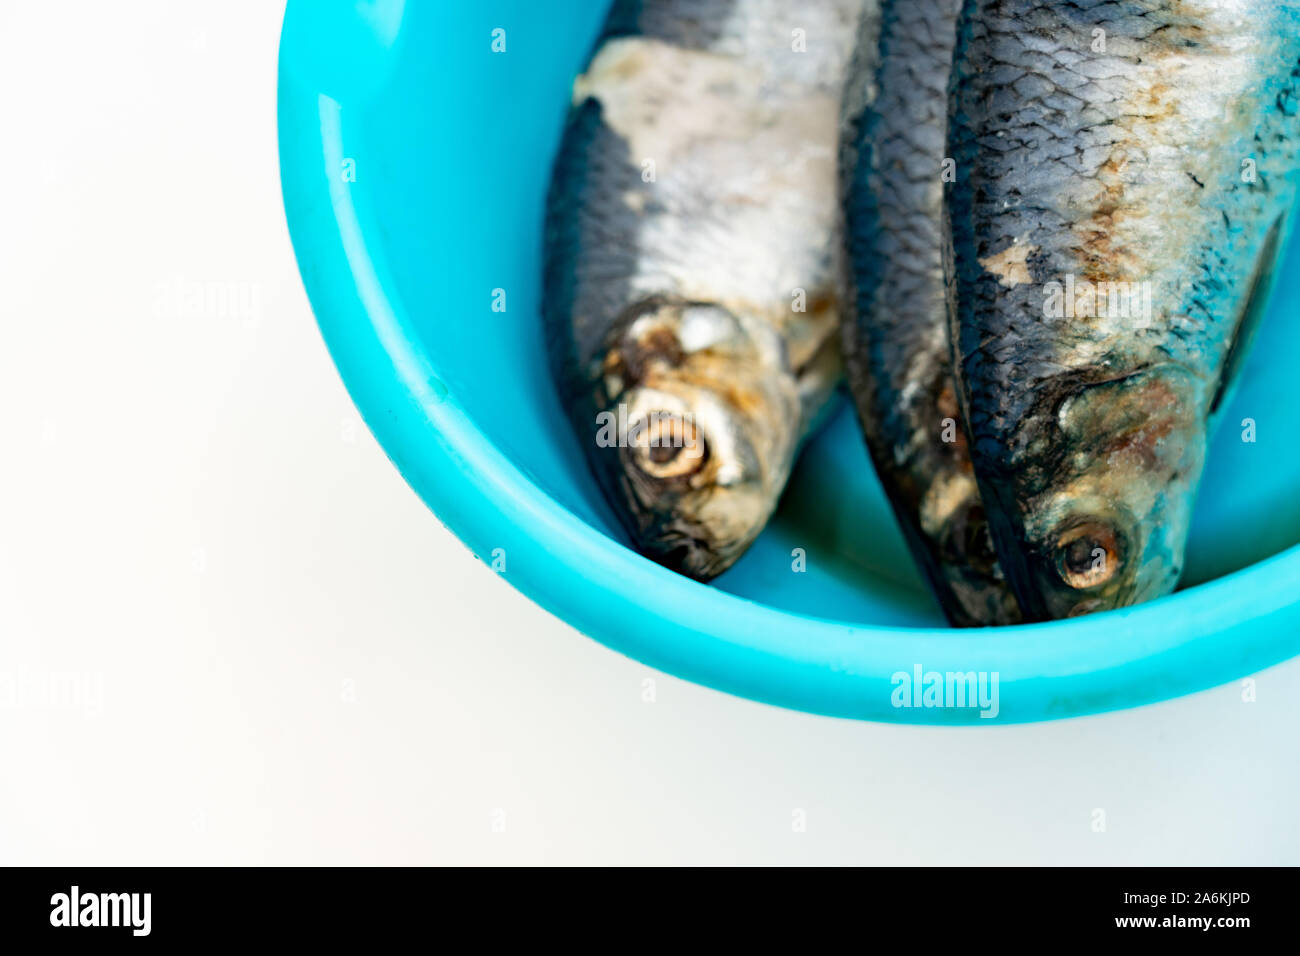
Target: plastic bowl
[(415, 160)]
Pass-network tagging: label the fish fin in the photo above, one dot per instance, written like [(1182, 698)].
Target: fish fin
[(819, 378), (1252, 313)]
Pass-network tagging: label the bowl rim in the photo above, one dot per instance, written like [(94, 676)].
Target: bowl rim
[(1201, 637)]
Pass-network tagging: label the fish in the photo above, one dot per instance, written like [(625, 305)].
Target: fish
[(1124, 177), (895, 322), (692, 264)]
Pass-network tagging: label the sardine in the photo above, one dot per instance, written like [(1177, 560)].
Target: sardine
[(693, 264), (1124, 174), (895, 325)]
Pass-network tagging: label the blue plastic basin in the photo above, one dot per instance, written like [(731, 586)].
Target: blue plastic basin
[(414, 162)]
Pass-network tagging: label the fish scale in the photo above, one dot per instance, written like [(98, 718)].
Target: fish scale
[(895, 324), (692, 261), (1098, 143)]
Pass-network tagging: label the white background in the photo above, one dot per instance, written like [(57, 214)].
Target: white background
[(229, 633)]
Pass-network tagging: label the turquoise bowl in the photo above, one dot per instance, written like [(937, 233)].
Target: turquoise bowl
[(414, 161)]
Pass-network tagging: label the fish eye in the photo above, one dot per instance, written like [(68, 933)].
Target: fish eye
[(1088, 555), (670, 446)]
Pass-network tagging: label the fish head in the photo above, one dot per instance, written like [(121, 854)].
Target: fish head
[(973, 590), (959, 555), (1105, 521), (697, 424)]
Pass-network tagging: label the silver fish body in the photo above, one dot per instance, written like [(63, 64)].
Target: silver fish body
[(1125, 173), (692, 262), (896, 349)]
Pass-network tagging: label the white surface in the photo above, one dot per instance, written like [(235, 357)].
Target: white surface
[(229, 633)]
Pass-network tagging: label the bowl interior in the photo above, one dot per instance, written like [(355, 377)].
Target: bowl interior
[(456, 160), (457, 170)]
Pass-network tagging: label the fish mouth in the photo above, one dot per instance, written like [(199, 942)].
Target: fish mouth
[(685, 483), (693, 523), (705, 424), (976, 591), (958, 556), (692, 556)]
